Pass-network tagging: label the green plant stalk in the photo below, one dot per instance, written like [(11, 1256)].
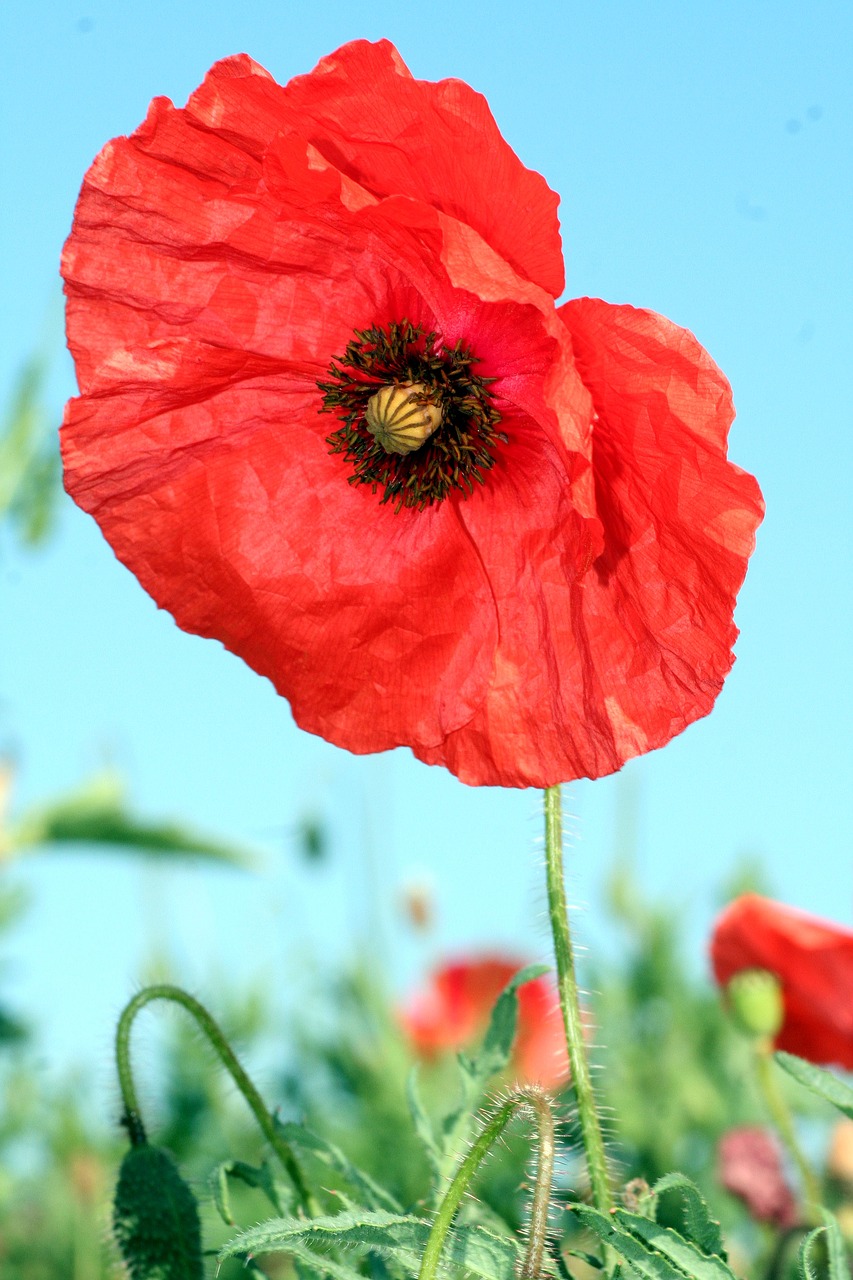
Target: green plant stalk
[(781, 1115), (532, 1098), (558, 911), (228, 1058)]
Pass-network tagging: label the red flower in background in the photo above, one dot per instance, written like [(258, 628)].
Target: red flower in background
[(331, 415), (813, 961), (453, 1010)]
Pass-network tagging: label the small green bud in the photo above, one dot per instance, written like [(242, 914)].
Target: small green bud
[(155, 1218), (755, 1002)]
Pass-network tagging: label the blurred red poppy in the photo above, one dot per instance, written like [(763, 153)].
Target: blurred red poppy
[(813, 961), (452, 1012), (331, 415)]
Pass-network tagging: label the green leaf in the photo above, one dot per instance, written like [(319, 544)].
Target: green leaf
[(378, 1230), (97, 813), (648, 1265), (589, 1259), (497, 1043), (421, 1121), (259, 1177), (29, 459), (822, 1083), (375, 1196), (477, 1070), (478, 1251), (652, 1250), (699, 1226)]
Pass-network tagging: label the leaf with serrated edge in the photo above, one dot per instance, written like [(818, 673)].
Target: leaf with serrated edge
[(478, 1251), (647, 1264), (699, 1226), (816, 1080), (665, 1241)]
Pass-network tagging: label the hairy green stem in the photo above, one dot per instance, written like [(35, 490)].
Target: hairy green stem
[(531, 1098), (781, 1115), (132, 1118), (558, 911)]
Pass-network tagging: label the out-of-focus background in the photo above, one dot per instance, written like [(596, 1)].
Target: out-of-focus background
[(702, 153)]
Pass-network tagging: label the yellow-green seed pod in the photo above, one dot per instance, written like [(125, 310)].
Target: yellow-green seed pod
[(400, 419), (155, 1218), (755, 1002)]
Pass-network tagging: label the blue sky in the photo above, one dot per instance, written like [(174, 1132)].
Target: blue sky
[(703, 155)]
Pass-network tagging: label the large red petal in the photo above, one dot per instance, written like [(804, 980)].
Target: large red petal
[(813, 960), (592, 671), (200, 318), (394, 135)]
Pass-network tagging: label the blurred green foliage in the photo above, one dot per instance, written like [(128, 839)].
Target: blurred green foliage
[(672, 1069), (96, 813), (30, 472)]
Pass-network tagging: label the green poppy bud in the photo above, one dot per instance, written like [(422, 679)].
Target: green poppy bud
[(755, 1002), (155, 1218)]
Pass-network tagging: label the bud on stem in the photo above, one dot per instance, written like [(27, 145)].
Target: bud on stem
[(229, 1060)]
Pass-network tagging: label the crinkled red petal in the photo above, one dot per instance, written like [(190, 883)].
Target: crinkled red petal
[(208, 291), (200, 319), (590, 671), (435, 142), (813, 960)]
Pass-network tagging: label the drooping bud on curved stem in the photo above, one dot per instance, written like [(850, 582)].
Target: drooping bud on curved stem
[(401, 418), (530, 1098), (132, 1119)]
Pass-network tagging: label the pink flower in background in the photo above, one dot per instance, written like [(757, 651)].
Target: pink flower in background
[(750, 1167)]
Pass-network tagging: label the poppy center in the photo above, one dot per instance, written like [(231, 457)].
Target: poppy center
[(416, 421)]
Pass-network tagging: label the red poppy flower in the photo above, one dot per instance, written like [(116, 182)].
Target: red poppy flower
[(331, 415), (453, 1011), (813, 961)]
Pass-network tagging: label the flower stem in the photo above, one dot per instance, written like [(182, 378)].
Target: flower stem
[(781, 1115), (569, 1003), (530, 1098), (132, 1118)]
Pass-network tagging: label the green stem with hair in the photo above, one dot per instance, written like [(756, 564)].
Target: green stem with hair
[(132, 1118), (781, 1115), (530, 1098), (558, 911)]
